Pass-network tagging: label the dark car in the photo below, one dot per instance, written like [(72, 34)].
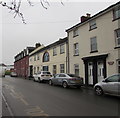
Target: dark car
[(66, 80)]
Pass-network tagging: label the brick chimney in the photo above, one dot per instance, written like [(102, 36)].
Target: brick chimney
[(84, 18), (37, 45)]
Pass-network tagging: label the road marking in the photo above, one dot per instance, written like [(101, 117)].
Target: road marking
[(35, 111), (24, 101), (8, 107)]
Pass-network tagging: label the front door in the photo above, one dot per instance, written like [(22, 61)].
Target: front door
[(100, 71), (90, 73)]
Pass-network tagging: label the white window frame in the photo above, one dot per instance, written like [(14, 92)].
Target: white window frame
[(93, 44), (118, 65), (117, 37), (75, 32), (54, 51), (62, 48), (62, 68), (92, 24), (54, 69), (116, 13), (76, 49), (76, 67)]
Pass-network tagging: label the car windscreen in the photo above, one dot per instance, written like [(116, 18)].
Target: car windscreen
[(73, 75), (46, 73)]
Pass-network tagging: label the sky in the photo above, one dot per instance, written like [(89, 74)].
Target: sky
[(43, 26)]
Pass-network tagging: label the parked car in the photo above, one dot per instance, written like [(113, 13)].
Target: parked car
[(13, 74), (110, 85), (42, 76), (66, 80)]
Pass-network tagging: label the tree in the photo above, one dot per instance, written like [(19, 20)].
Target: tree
[(15, 5)]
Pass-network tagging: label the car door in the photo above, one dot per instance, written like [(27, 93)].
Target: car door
[(61, 78), (54, 79), (111, 84)]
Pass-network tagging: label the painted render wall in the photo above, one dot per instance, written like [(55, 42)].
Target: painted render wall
[(105, 43), (54, 60)]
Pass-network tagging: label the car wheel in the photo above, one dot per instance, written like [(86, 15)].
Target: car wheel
[(39, 80), (34, 79), (78, 87), (50, 82), (98, 91), (65, 85)]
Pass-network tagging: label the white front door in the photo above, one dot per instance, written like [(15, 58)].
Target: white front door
[(90, 73), (100, 71)]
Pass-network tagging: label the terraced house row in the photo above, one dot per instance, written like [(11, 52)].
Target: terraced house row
[(91, 49)]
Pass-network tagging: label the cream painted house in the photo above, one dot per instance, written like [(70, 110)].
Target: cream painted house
[(94, 45), (51, 58)]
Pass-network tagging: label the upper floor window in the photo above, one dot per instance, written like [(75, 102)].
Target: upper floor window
[(116, 13), (54, 51), (35, 58), (76, 49), (92, 24), (93, 41), (38, 58), (46, 57), (117, 34), (75, 32), (62, 48)]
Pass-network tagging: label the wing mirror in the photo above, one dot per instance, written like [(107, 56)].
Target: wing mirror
[(105, 80)]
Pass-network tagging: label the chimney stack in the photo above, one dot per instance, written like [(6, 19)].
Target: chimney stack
[(37, 45), (84, 18)]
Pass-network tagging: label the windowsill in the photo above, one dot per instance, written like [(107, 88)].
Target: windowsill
[(76, 55), (94, 51), (92, 29), (117, 47), (62, 52), (75, 36), (115, 19)]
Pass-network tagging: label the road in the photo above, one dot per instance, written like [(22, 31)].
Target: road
[(28, 98)]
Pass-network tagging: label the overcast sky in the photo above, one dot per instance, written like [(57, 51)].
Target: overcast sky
[(43, 26)]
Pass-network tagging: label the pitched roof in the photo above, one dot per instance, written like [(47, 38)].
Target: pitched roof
[(96, 15), (51, 45)]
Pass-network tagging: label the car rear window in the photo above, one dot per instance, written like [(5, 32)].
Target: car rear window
[(46, 73), (73, 75)]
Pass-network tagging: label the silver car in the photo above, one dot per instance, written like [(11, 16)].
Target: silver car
[(110, 85), (66, 80)]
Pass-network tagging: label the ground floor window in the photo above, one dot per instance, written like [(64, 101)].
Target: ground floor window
[(62, 68), (118, 66), (45, 68), (76, 69), (54, 69), (34, 70), (37, 69)]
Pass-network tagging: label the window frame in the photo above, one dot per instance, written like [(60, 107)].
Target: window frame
[(117, 9), (54, 51), (92, 25), (76, 69), (76, 49), (44, 58), (62, 68), (93, 45), (75, 32), (62, 48), (117, 38), (55, 69)]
